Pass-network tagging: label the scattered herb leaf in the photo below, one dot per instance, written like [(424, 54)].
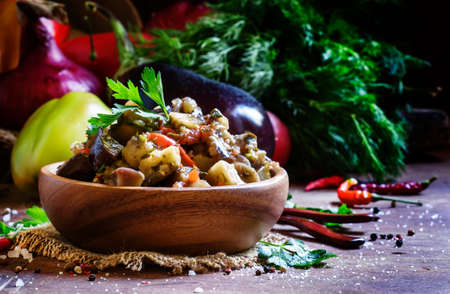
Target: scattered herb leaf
[(293, 253), (37, 216)]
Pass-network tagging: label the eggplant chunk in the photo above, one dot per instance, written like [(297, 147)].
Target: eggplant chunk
[(217, 147), (124, 176), (203, 162), (247, 173), (223, 173), (160, 164), (104, 151), (78, 168)]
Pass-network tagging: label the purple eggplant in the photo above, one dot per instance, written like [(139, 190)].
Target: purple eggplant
[(104, 151), (243, 111)]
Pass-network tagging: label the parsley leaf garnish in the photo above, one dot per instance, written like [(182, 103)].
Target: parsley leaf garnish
[(37, 216), (152, 86), (293, 253), (123, 92), (152, 89)]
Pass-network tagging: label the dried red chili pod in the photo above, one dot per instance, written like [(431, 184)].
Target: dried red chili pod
[(404, 188), (359, 197), (333, 181)]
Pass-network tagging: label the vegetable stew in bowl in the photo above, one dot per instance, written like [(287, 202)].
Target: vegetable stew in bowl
[(174, 146)]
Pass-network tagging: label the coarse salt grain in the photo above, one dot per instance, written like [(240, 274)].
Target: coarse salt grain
[(6, 218), (19, 283), (198, 290)]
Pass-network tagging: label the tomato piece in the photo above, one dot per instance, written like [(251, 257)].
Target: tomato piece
[(185, 159), (161, 140)]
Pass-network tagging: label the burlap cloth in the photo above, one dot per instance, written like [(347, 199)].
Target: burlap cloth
[(47, 241)]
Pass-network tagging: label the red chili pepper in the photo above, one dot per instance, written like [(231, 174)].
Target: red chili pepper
[(333, 181), (404, 188), (5, 243), (358, 197), (164, 141)]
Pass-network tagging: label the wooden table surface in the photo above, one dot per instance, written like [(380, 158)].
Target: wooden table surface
[(421, 265)]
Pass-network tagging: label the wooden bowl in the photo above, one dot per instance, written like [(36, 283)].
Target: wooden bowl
[(188, 220)]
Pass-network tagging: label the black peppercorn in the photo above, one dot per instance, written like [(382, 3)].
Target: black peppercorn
[(389, 236), (411, 233), (18, 269), (375, 210), (399, 243), (373, 237), (91, 277), (399, 237), (382, 236), (258, 272), (37, 270)]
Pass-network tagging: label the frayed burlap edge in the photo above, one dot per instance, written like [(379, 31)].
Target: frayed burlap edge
[(47, 241)]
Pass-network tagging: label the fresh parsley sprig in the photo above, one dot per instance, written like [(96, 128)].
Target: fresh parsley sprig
[(293, 253), (151, 90), (152, 86), (123, 92)]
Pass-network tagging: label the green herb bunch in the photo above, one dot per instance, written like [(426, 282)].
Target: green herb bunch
[(321, 76)]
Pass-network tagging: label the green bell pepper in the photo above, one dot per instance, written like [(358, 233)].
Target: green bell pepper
[(48, 133)]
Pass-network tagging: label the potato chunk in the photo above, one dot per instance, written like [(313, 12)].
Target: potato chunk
[(200, 184), (136, 148), (188, 120), (223, 173), (160, 164)]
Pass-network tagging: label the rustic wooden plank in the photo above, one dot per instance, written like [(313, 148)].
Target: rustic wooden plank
[(421, 265)]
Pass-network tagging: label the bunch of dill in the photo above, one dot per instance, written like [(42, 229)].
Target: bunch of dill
[(321, 76)]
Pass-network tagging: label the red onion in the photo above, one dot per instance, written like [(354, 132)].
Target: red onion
[(43, 73)]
